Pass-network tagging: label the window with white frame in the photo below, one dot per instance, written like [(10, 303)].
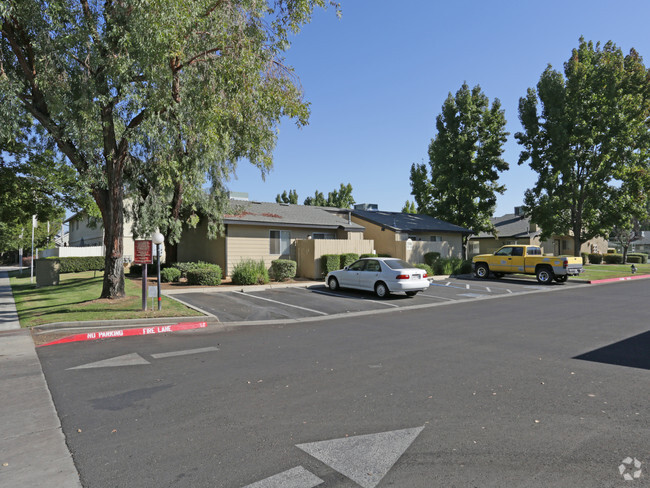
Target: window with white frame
[(322, 235), (280, 242), (435, 238)]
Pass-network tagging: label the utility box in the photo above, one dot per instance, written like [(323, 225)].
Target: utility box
[(47, 272)]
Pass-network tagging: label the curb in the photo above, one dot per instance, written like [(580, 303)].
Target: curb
[(624, 278)]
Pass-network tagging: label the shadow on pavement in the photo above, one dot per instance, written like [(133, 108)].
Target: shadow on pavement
[(632, 352)]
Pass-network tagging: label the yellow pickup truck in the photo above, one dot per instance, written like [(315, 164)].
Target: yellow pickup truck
[(527, 260)]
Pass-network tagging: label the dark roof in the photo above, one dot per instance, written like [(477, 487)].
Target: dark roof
[(510, 225), (286, 215), (404, 222)]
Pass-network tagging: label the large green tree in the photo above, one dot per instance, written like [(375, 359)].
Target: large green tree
[(291, 197), (588, 143), (464, 162), (173, 90)]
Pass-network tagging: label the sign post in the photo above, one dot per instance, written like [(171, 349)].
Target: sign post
[(143, 256)]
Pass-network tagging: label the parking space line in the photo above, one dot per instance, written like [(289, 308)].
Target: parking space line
[(280, 303), (439, 298), (329, 293)]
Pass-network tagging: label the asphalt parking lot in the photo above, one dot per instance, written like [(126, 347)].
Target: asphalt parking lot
[(319, 301)]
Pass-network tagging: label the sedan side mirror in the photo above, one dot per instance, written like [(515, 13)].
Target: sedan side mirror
[(346, 268)]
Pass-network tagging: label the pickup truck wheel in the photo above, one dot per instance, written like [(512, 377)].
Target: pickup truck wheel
[(545, 275), (561, 278), (482, 271)]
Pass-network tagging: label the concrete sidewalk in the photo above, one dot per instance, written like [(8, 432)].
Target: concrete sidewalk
[(32, 446)]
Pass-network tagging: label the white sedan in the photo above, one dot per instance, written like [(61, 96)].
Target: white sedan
[(381, 275)]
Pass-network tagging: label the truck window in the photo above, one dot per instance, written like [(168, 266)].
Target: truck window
[(506, 251), (517, 251), (534, 251)]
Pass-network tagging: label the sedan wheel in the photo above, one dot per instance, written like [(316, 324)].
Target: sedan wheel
[(333, 283), (381, 290)]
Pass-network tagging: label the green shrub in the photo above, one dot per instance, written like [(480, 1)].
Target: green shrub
[(643, 256), (329, 262), (368, 256), (613, 258), (595, 258), (283, 269), (188, 266), (425, 267), (250, 272), (452, 266), (348, 259), (169, 275), (79, 264), (431, 257), (204, 276), (634, 259)]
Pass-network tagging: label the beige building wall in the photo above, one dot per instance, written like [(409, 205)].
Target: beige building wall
[(195, 246), (394, 244), (309, 252)]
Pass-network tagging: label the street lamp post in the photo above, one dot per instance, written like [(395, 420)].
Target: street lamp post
[(157, 238)]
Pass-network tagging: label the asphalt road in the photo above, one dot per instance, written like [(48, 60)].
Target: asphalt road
[(528, 390)]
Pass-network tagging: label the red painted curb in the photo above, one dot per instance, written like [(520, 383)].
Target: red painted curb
[(625, 278), (109, 334)]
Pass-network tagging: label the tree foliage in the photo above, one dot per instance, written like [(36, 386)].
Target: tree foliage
[(341, 198), (156, 97), (409, 207), (291, 197), (464, 162), (588, 143)]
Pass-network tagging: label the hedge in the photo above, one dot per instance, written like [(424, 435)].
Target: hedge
[(348, 259), (613, 258), (380, 255), (431, 257), (425, 267), (204, 276), (634, 259), (643, 256), (168, 275), (187, 266), (250, 272), (79, 264), (283, 269), (595, 258), (329, 262)]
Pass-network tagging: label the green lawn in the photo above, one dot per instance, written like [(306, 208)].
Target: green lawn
[(605, 271), (76, 299)]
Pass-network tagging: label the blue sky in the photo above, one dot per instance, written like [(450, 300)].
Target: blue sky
[(377, 78)]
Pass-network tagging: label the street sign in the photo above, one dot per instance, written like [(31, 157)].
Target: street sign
[(143, 252)]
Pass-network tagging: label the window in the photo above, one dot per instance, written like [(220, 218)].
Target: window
[(517, 251), (280, 242), (357, 265), (506, 251), (435, 238), (373, 266), (322, 235)]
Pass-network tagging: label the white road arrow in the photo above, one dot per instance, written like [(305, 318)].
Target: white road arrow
[(365, 459), (126, 360)]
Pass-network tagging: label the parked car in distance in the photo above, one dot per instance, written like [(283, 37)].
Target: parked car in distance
[(381, 275)]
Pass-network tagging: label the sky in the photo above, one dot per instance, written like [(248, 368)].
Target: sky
[(377, 77)]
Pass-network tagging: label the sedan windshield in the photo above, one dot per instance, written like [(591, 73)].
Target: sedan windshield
[(397, 264)]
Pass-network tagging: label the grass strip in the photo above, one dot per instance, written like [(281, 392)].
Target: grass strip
[(75, 299), (606, 271)]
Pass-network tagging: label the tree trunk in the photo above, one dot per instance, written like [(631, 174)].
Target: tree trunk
[(171, 252)]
